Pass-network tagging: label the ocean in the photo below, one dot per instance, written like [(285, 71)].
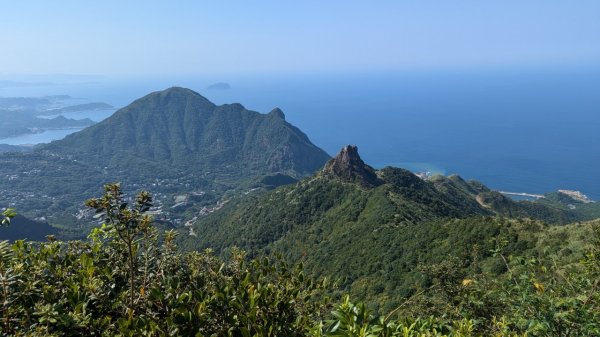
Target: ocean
[(514, 129)]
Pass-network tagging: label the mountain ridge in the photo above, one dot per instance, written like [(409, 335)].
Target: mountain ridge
[(180, 126), (172, 142), (339, 220)]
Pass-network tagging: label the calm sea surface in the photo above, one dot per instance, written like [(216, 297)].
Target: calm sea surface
[(513, 129)]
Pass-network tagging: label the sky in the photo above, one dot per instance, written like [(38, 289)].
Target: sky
[(261, 37)]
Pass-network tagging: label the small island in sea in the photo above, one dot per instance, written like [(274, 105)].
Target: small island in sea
[(219, 86)]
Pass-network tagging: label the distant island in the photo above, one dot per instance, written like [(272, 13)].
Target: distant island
[(28, 115), (219, 86), (78, 108)]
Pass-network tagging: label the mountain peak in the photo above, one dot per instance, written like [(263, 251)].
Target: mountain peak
[(277, 112), (178, 92), (180, 127), (348, 166), (174, 99)]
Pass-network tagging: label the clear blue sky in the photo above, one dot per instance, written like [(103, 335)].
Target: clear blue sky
[(196, 37)]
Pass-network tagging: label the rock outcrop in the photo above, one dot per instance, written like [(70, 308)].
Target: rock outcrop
[(349, 167)]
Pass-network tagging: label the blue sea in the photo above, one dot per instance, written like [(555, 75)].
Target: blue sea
[(514, 129)]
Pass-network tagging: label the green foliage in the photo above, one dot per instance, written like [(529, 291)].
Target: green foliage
[(128, 223), (126, 279), (537, 297), (373, 239), (381, 232), (350, 320), (92, 288), (584, 210), (7, 214)]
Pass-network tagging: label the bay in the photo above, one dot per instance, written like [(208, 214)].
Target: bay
[(39, 138)]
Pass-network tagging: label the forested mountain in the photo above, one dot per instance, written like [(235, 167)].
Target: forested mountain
[(174, 143), (179, 127), (373, 228)]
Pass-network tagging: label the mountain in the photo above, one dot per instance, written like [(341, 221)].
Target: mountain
[(175, 143), (181, 128), (374, 227)]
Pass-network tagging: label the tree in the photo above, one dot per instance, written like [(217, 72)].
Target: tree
[(128, 223)]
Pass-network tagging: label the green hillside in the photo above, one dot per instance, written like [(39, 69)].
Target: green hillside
[(128, 279), (375, 228), (181, 128)]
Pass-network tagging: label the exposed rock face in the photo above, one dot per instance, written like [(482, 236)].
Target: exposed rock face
[(348, 166)]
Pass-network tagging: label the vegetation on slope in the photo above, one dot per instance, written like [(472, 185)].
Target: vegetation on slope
[(375, 229), (127, 280), (181, 128)]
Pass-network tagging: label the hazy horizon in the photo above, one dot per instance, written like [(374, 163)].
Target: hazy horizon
[(154, 38)]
